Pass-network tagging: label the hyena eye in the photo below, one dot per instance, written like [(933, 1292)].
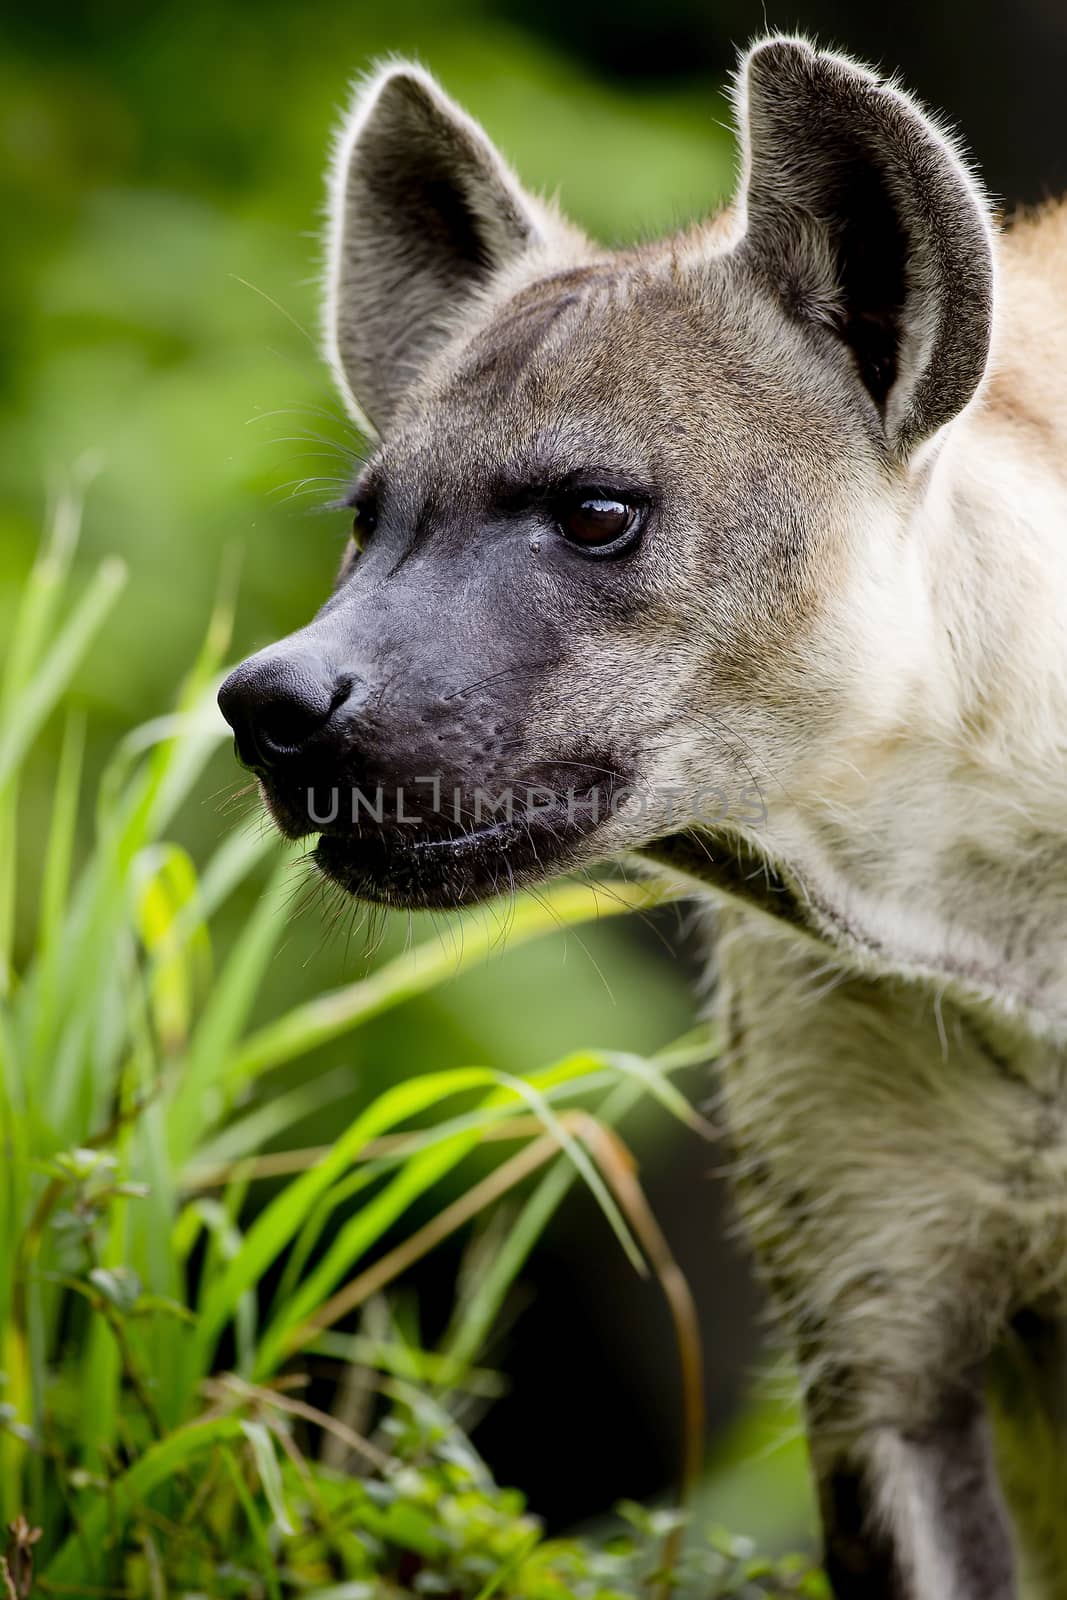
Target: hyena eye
[(594, 520), (364, 523)]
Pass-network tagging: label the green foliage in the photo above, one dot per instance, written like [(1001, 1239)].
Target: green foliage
[(433, 1523), (162, 167)]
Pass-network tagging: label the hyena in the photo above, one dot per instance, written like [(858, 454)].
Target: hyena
[(779, 500)]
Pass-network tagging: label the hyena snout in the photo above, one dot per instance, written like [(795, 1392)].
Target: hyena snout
[(279, 702), (338, 751)]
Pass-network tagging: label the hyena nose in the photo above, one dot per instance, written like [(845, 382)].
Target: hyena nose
[(276, 703)]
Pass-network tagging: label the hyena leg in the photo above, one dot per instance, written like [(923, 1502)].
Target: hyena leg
[(858, 1550), (868, 1148), (914, 1513)]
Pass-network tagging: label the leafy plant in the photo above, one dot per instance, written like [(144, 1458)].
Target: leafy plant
[(432, 1522)]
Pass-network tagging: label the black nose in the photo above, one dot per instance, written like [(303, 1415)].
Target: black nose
[(275, 702)]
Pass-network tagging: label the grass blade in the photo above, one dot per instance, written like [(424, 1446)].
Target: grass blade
[(277, 1224), (83, 1557), (270, 1474), (58, 667), (419, 970), (206, 1088)]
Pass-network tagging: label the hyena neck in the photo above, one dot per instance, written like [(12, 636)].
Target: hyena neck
[(927, 837), (945, 858)]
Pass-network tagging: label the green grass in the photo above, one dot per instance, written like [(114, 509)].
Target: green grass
[(155, 1438)]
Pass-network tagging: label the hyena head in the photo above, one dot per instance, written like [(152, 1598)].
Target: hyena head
[(634, 534)]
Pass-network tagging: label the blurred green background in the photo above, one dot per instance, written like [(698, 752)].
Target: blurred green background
[(161, 182)]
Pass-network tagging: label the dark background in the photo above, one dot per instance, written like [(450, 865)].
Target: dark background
[(995, 71)]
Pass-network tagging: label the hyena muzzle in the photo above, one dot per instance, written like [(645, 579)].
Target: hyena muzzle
[(742, 554)]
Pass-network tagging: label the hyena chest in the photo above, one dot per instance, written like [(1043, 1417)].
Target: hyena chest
[(887, 1137)]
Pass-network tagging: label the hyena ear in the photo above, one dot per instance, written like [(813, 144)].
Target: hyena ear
[(423, 213), (865, 219)]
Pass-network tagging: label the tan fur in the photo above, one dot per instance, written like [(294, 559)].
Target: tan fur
[(1025, 386)]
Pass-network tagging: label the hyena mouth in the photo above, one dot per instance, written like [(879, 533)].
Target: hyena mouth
[(435, 863)]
